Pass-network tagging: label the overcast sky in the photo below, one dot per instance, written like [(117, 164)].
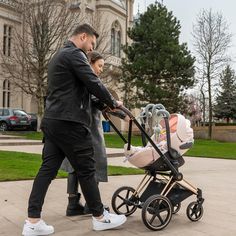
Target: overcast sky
[(186, 12)]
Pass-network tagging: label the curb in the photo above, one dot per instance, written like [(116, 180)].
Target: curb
[(21, 144), (118, 154), (10, 137)]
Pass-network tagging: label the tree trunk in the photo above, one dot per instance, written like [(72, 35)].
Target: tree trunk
[(204, 111), (203, 106), (210, 105), (40, 111)]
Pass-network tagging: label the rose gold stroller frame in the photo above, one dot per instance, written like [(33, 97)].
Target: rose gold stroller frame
[(161, 190), (170, 183)]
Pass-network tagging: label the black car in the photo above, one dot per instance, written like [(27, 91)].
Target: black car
[(13, 118)]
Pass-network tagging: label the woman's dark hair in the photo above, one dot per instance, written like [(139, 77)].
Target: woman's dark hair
[(85, 28), (94, 56)]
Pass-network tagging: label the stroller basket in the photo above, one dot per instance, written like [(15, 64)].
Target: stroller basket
[(176, 195)]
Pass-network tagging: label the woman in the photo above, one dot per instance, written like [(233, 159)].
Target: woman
[(74, 206)]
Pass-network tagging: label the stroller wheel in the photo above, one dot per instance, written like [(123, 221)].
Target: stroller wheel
[(124, 202), (194, 211), (157, 212), (176, 208)]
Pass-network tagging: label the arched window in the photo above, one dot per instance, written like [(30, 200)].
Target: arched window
[(6, 94), (118, 44), (116, 39), (113, 41)]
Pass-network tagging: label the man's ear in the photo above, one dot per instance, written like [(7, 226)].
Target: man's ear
[(83, 36)]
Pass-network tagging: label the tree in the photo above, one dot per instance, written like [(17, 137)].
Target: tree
[(194, 112), (157, 68), (225, 107), (46, 25), (211, 41)]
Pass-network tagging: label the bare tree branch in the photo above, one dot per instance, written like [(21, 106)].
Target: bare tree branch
[(211, 42), (46, 24)]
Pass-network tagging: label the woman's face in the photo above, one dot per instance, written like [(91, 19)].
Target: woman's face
[(98, 66)]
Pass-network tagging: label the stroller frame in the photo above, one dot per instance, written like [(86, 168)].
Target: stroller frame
[(160, 192)]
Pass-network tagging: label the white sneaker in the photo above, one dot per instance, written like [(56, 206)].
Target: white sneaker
[(39, 228), (108, 221)]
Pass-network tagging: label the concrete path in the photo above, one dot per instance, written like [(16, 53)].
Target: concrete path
[(216, 178), (19, 144)]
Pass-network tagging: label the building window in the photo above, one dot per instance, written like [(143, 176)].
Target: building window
[(6, 93), (113, 45), (118, 44), (116, 39), (7, 40)]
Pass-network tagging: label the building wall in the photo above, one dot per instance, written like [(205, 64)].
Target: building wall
[(220, 133), (10, 17), (108, 12)]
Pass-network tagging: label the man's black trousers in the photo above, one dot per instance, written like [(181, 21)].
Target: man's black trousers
[(73, 140)]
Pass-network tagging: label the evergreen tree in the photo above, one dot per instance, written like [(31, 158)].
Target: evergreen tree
[(225, 107), (157, 68)]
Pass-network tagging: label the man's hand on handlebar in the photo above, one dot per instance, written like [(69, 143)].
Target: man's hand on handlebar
[(119, 104)]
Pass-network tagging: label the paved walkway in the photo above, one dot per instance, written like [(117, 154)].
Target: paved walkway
[(214, 176), (19, 144)]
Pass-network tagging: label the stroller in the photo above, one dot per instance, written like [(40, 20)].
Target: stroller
[(163, 187)]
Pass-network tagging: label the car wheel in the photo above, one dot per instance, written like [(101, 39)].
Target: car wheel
[(3, 126)]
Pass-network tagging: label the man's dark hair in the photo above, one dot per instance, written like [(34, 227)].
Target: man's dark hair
[(85, 28)]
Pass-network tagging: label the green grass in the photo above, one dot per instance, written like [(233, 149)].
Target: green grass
[(112, 140), (22, 166), (119, 170), (213, 149)]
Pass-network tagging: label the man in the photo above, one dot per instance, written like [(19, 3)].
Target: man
[(66, 130)]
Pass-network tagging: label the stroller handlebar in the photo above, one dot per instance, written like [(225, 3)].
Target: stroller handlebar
[(121, 108), (126, 111)]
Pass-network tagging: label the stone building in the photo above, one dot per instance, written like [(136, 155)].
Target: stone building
[(113, 15)]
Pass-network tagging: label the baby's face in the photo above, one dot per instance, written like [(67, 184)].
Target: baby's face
[(172, 124)]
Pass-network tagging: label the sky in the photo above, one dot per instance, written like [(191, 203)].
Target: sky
[(186, 12)]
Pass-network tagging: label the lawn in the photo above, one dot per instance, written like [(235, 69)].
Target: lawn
[(21, 166), (114, 141), (213, 149)]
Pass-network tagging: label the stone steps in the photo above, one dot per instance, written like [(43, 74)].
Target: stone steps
[(10, 140), (3, 137)]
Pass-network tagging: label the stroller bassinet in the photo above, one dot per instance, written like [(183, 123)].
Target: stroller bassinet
[(163, 187), (181, 139)]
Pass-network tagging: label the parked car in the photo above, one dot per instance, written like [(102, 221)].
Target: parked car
[(33, 121), (13, 118)]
